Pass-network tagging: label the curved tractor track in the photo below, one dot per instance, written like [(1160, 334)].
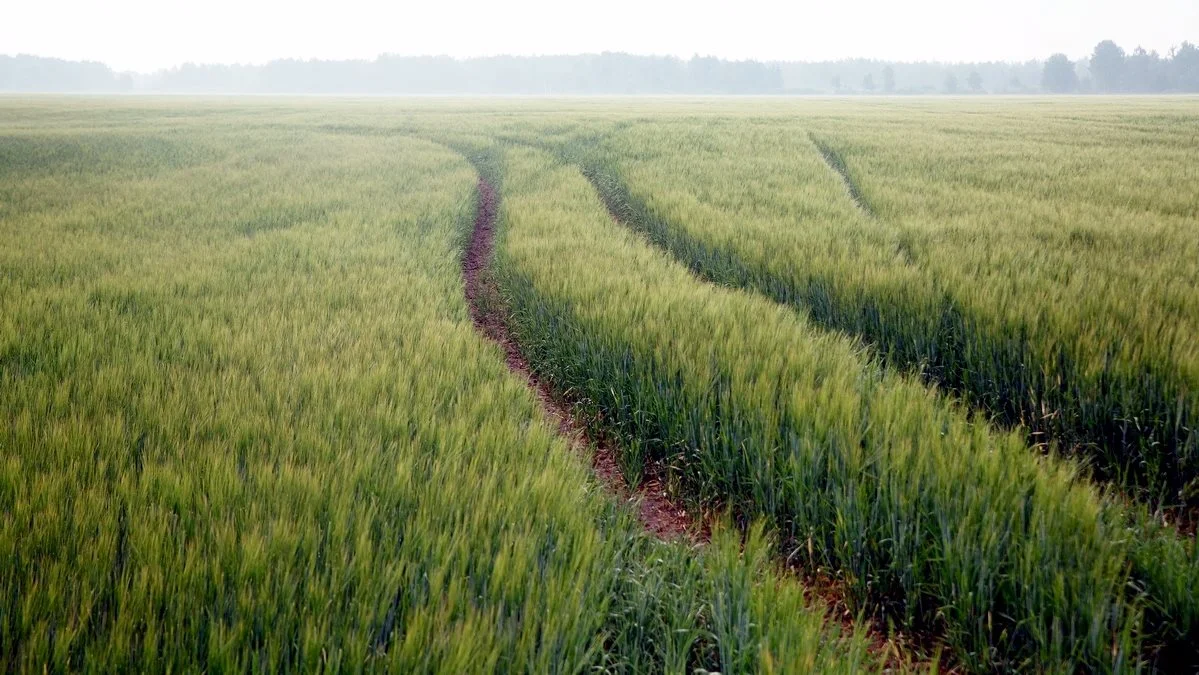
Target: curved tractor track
[(661, 516)]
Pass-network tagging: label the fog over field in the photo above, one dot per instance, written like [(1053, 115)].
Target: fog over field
[(628, 47)]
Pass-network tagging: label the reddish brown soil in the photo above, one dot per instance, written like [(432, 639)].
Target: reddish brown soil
[(897, 651), (659, 514)]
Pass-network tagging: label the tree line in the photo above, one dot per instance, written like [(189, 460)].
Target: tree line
[(1111, 70), (1108, 69), (607, 73), (866, 76)]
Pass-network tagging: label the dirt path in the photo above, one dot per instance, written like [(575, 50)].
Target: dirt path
[(666, 518)]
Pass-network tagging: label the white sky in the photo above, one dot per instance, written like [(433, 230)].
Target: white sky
[(146, 35)]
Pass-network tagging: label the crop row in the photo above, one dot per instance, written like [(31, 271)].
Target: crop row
[(933, 520), (1027, 276)]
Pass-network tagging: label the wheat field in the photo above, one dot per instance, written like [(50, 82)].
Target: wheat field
[(926, 368)]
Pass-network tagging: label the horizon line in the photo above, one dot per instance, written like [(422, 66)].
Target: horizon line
[(384, 55)]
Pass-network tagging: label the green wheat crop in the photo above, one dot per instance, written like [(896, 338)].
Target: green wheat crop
[(1038, 258), (246, 425), (933, 520)]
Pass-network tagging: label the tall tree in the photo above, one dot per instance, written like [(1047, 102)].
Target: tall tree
[(1185, 68), (868, 82), (1059, 76), (1107, 66), (888, 79), (975, 81), (1145, 72)]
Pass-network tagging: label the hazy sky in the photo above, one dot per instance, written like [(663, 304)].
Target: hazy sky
[(150, 34)]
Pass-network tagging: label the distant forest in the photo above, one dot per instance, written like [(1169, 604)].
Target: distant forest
[(1108, 69)]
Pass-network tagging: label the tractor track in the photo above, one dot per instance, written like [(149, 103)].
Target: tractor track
[(658, 513)]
